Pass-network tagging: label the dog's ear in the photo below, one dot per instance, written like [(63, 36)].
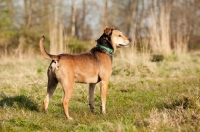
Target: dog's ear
[(108, 31)]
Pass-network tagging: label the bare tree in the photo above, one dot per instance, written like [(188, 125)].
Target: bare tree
[(160, 22), (83, 20), (53, 29), (28, 10), (159, 31), (73, 19), (122, 14), (105, 19), (6, 22), (131, 11), (182, 24)]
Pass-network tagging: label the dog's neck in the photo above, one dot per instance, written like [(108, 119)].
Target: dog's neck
[(110, 51), (99, 49), (104, 45), (104, 42)]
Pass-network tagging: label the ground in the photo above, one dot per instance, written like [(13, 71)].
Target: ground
[(142, 96)]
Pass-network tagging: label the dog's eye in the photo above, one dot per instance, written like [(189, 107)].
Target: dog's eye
[(120, 35)]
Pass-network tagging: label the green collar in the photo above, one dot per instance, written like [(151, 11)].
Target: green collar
[(106, 48)]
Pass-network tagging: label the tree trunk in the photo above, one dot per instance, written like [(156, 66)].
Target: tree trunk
[(105, 20), (73, 19), (25, 11), (54, 31), (61, 45), (132, 9), (83, 20), (160, 30), (28, 9)]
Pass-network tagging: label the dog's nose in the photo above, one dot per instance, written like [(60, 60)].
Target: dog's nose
[(130, 39)]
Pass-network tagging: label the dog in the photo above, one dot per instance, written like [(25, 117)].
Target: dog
[(91, 67)]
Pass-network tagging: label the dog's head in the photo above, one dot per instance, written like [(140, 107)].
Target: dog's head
[(113, 39)]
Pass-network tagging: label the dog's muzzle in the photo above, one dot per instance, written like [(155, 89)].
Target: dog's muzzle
[(125, 45)]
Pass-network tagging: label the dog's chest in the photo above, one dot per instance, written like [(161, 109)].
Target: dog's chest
[(86, 78)]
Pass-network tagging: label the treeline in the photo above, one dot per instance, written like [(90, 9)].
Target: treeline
[(162, 26)]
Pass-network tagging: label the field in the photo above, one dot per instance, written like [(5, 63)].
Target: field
[(142, 96)]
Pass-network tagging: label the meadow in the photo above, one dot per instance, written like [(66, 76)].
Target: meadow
[(142, 96)]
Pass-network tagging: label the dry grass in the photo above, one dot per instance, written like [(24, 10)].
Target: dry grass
[(173, 119)]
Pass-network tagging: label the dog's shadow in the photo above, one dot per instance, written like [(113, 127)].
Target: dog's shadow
[(20, 101)]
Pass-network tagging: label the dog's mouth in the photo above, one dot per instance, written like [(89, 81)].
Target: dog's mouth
[(122, 45)]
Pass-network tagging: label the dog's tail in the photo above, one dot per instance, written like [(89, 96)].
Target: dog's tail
[(44, 52)]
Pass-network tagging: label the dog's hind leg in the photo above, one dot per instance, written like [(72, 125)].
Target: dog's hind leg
[(52, 83), (91, 96), (103, 92), (68, 89)]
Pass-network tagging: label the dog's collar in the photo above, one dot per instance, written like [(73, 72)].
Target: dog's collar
[(106, 48)]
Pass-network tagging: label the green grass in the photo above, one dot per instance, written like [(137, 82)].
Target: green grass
[(142, 96)]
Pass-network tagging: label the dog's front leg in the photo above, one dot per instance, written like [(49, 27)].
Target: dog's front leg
[(103, 92), (91, 96)]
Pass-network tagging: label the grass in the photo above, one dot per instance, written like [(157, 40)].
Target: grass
[(142, 96)]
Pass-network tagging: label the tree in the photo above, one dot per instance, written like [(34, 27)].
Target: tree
[(73, 19), (6, 24), (83, 28), (28, 10), (183, 24), (159, 31), (105, 13), (56, 31)]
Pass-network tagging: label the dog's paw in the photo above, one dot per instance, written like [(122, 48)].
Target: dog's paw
[(69, 118), (91, 108), (103, 111), (46, 111)]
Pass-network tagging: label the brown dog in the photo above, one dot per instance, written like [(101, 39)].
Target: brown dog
[(91, 67)]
